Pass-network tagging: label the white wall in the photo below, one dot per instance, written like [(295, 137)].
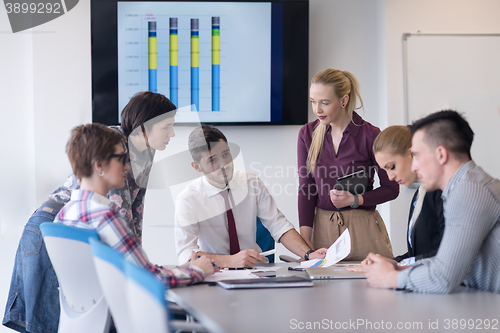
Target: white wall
[(330, 45), (426, 16), (45, 90), (344, 34)]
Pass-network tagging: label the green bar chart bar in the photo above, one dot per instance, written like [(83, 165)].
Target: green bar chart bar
[(195, 65), (215, 63), (152, 56), (174, 62)]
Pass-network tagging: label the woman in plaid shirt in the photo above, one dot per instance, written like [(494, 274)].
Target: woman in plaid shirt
[(33, 302), (99, 161)]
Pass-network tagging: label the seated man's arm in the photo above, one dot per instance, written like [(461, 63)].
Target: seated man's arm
[(244, 258), (306, 233), (296, 244), (186, 231), (468, 223), (380, 272)]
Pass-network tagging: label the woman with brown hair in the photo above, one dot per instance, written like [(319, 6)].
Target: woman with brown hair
[(337, 144)]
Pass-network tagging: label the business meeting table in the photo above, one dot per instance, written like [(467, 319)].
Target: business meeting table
[(337, 305)]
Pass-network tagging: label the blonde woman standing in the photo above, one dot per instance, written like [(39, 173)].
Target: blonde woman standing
[(337, 144)]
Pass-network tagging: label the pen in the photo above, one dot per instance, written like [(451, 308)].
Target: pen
[(295, 268), (213, 264), (268, 253)]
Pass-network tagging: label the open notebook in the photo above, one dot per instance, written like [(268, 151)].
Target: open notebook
[(273, 282)]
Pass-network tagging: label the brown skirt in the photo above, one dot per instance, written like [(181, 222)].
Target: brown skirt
[(367, 230)]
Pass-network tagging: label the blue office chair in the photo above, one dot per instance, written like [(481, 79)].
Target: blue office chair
[(109, 265), (147, 305), (83, 306), (264, 239)]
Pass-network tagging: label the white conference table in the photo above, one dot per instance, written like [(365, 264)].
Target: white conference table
[(338, 305)]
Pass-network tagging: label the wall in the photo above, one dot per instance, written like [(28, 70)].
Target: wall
[(45, 90), (331, 44), (18, 160), (426, 16)]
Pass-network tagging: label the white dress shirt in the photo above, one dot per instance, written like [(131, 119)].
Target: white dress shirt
[(200, 218), (416, 212)]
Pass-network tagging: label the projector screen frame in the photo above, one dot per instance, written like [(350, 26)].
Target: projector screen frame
[(294, 69)]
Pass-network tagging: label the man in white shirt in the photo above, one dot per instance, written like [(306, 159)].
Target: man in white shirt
[(216, 215)]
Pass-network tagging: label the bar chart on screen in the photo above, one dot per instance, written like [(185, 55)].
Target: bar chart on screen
[(164, 53), (197, 56)]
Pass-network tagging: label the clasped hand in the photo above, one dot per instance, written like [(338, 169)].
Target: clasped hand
[(341, 199), (203, 262), (380, 272)]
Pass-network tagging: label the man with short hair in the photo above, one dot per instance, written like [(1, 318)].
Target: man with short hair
[(470, 249), (216, 215)]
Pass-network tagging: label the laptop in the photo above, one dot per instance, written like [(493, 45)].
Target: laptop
[(333, 273), (273, 282)]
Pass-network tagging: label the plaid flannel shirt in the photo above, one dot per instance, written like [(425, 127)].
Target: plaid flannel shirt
[(90, 210)]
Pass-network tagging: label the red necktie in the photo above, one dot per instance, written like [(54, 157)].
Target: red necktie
[(234, 245)]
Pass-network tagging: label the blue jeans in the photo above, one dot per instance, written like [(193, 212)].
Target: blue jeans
[(33, 302)]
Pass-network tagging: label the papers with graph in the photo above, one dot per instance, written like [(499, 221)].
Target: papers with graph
[(338, 251)]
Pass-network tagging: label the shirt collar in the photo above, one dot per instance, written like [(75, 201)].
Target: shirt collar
[(457, 176), (210, 189), (353, 127), (81, 195)]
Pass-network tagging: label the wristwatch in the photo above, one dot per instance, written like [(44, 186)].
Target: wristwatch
[(306, 256), (355, 204)]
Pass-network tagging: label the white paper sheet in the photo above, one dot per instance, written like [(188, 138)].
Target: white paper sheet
[(338, 251), (226, 274)]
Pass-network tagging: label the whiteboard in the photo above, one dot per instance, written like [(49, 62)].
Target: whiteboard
[(459, 72)]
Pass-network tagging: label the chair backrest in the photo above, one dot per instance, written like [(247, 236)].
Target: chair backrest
[(264, 239), (109, 264), (70, 254), (146, 300)]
